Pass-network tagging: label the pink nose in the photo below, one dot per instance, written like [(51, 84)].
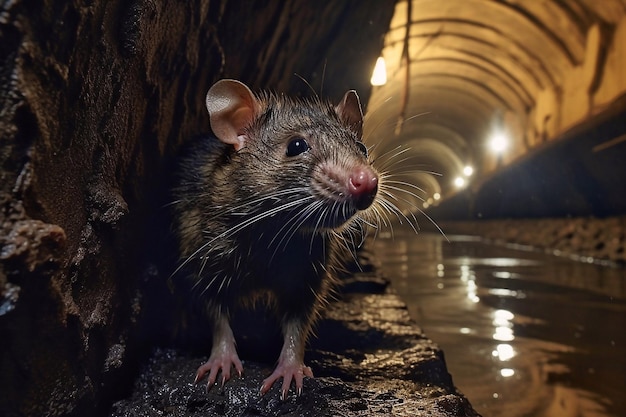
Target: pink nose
[(363, 186)]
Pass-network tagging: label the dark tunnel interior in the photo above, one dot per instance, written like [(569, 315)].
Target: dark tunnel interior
[(486, 277)]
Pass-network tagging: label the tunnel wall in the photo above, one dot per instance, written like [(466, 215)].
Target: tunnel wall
[(95, 98), (587, 89)]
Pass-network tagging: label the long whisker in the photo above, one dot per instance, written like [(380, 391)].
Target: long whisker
[(393, 187), (381, 216), (296, 224), (390, 121), (321, 218), (435, 224), (412, 169), (272, 196), (396, 210), (399, 162), (405, 184), (350, 249), (241, 226), (387, 157), (392, 208)]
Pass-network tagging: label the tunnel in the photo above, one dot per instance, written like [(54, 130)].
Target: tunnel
[(485, 278), (543, 77)]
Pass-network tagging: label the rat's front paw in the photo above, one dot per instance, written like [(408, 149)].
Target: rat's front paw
[(288, 371), (214, 365)]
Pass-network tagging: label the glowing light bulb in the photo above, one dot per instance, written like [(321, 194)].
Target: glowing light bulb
[(379, 76), (498, 142)]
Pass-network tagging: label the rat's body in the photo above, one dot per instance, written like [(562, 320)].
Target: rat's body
[(260, 211)]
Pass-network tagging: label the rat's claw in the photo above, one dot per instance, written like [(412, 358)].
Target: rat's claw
[(289, 372), (285, 388), (212, 377), (238, 365), (267, 384), (200, 373), (216, 365)]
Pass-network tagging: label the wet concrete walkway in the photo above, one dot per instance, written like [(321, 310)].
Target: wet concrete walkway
[(524, 333), (368, 356)]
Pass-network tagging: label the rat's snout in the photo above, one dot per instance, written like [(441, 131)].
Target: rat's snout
[(363, 186)]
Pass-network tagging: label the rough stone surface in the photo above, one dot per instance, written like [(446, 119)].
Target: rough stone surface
[(95, 98), (588, 239), (368, 357)]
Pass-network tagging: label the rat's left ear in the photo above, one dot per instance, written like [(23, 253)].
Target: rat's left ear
[(349, 111)]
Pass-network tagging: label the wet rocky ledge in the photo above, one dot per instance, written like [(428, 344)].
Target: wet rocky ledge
[(368, 358), (588, 239)]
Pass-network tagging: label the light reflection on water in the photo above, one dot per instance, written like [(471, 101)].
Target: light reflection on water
[(524, 333)]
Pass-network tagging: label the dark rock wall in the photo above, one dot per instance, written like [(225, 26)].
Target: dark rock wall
[(95, 98)]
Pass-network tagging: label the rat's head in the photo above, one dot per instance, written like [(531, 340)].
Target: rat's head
[(303, 155)]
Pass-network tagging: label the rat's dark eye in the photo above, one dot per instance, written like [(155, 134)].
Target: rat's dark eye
[(296, 146), (362, 148)]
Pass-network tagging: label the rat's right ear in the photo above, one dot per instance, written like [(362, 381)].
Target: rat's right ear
[(350, 112), (232, 108)]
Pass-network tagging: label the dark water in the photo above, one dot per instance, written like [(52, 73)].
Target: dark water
[(524, 333)]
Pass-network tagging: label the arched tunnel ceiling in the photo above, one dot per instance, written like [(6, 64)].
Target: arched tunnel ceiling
[(459, 70)]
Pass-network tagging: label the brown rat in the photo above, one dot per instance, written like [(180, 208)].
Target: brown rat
[(263, 207)]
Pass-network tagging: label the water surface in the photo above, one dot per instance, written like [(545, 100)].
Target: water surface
[(524, 333)]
